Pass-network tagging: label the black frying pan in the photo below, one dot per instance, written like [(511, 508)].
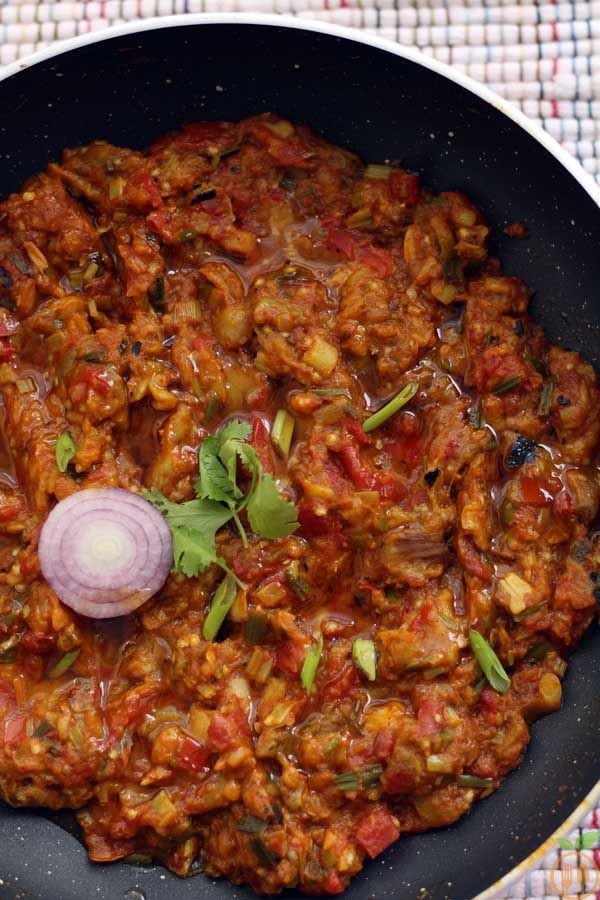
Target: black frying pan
[(132, 88)]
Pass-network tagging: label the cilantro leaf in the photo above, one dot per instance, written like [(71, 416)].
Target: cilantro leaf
[(215, 482), (190, 555), (269, 514), (217, 479), (194, 526)]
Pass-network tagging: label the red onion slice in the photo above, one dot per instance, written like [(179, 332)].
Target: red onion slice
[(105, 552)]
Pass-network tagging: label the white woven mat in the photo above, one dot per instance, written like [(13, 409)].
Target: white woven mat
[(544, 56)]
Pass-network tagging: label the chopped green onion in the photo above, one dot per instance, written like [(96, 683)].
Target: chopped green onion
[(539, 651), (42, 729), (438, 763), (331, 392), (283, 431), (476, 416), (222, 602), (25, 385), (116, 187), (287, 184), (353, 725), (507, 385), (365, 657), (545, 403), (213, 405), (375, 171), (264, 855), (473, 781), (396, 403), (310, 665), (65, 451), (138, 859), (251, 825), (296, 582), (63, 664), (156, 295), (90, 272), (186, 236), (359, 778), (491, 666), (256, 628)]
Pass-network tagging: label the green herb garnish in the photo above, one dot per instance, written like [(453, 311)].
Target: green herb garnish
[(365, 657), (310, 665), (507, 385), (491, 666), (64, 451), (194, 524), (222, 602), (251, 825), (389, 409), (547, 391), (43, 729), (265, 857), (472, 781), (63, 664), (359, 778), (331, 392)]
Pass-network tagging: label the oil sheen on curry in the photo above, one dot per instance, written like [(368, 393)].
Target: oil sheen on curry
[(371, 480)]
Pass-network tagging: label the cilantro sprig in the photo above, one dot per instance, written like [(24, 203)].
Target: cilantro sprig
[(219, 499)]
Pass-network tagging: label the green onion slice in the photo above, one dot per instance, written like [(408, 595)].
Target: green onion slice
[(396, 403), (491, 666), (251, 825), (311, 664), (64, 451), (283, 431), (545, 403), (365, 657), (507, 385), (359, 778), (473, 781), (222, 602), (63, 664)]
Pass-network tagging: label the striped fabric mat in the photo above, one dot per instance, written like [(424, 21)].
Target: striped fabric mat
[(543, 56)]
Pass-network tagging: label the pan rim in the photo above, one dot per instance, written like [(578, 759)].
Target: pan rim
[(568, 162), (587, 182)]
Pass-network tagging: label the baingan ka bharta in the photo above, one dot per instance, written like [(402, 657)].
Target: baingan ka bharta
[(295, 504)]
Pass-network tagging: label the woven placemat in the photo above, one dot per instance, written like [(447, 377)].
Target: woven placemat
[(543, 56)]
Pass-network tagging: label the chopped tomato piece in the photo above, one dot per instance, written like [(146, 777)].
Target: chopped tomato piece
[(376, 831), (536, 491), (340, 686), (343, 241), (193, 754), (333, 884), (14, 729), (7, 351), (289, 657), (224, 731), (405, 187), (407, 450), (261, 442), (430, 717), (312, 524)]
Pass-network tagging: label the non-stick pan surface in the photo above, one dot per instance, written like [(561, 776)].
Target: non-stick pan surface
[(131, 89)]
